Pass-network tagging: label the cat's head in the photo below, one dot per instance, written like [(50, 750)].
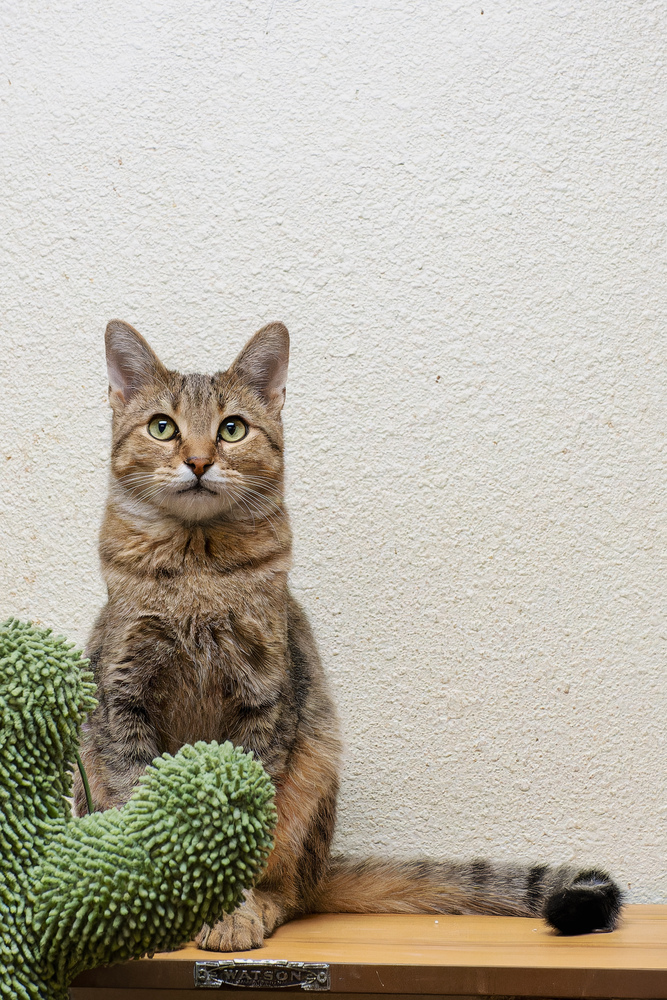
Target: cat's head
[(198, 447)]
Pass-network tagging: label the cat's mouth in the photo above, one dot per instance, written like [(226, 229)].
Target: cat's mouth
[(197, 487)]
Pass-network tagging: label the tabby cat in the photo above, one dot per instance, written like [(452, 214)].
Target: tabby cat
[(202, 640)]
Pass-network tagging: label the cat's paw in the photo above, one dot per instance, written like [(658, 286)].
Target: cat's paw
[(591, 902), (238, 931)]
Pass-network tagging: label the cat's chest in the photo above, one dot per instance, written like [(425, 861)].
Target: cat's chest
[(204, 631), (226, 682), (226, 656), (206, 657), (213, 673)]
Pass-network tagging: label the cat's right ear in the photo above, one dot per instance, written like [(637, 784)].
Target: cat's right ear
[(131, 363)]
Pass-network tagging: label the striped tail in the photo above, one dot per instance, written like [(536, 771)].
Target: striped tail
[(572, 900)]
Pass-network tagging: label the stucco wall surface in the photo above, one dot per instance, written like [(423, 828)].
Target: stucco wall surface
[(458, 209)]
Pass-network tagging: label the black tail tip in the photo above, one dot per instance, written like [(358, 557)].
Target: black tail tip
[(591, 903)]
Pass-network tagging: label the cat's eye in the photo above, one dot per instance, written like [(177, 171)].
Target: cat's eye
[(162, 427), (232, 429)]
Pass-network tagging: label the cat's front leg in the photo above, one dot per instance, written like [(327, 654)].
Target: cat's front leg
[(118, 743), (109, 787), (247, 926)]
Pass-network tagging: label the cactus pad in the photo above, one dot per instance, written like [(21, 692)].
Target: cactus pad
[(75, 893)]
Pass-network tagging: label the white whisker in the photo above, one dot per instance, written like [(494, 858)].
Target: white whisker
[(257, 503)]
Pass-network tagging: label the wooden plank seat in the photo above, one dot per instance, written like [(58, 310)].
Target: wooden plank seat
[(370, 956)]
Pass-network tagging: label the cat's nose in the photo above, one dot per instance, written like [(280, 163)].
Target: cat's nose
[(199, 465)]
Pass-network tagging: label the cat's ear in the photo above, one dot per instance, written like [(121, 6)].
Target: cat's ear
[(262, 364), (131, 363)]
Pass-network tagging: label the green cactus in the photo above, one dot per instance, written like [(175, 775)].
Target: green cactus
[(76, 893)]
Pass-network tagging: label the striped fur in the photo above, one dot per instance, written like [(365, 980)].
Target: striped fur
[(201, 639)]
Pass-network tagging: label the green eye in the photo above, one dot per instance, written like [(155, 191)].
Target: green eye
[(163, 428), (232, 429)]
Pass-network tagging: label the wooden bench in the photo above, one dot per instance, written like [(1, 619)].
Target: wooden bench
[(369, 956)]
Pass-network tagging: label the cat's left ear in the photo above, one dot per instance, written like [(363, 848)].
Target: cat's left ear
[(262, 364)]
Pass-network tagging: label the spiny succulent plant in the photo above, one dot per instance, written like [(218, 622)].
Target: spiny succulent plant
[(76, 893)]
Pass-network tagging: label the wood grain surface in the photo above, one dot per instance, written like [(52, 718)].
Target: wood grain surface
[(425, 955)]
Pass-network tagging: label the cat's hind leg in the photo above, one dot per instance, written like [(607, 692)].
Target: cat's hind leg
[(306, 807)]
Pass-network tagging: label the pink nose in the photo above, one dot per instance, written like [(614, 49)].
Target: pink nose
[(198, 465)]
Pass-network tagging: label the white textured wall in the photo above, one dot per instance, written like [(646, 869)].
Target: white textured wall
[(460, 216)]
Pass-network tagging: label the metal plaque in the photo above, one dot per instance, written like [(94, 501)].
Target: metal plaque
[(270, 974)]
